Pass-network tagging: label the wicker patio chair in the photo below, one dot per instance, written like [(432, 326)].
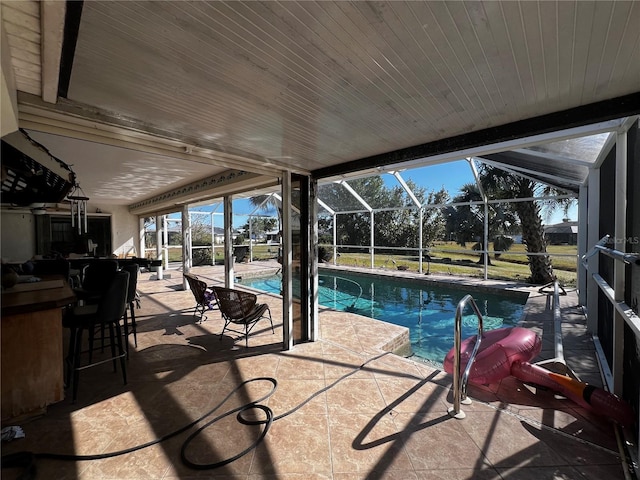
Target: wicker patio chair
[(205, 300), (240, 308)]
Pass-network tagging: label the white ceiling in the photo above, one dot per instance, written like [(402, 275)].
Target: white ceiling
[(163, 93), (111, 174)]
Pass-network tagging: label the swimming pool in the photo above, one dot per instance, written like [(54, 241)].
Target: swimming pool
[(426, 309)]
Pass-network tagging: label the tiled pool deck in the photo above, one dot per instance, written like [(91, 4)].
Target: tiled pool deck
[(387, 420)]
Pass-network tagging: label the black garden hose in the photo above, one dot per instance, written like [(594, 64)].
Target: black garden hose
[(27, 460)]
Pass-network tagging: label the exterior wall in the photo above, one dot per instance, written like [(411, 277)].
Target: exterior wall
[(18, 233), (18, 236), (124, 231)]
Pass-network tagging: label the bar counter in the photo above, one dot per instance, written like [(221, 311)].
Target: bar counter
[(32, 346)]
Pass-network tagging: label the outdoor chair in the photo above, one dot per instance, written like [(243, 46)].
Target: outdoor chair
[(240, 308), (205, 300)]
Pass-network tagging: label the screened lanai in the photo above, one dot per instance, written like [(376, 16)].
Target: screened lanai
[(590, 170), (412, 199), (160, 106), (419, 216)]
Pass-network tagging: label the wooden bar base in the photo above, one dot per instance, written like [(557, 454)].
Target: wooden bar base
[(32, 355), (32, 363)]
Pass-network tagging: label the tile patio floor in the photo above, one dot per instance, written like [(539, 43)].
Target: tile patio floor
[(387, 420)]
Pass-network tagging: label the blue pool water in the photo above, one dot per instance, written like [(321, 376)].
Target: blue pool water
[(428, 310)]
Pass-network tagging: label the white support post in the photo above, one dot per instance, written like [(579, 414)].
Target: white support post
[(619, 267), (593, 236), (213, 234), (287, 260), (159, 226), (186, 239), (228, 242), (165, 242), (250, 239), (314, 329), (142, 243), (485, 240), (335, 239), (319, 203), (362, 202), (420, 246), (485, 201), (372, 238), (213, 239), (583, 245), (418, 204)]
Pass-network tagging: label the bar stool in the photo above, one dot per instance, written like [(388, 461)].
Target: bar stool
[(96, 277), (133, 269), (106, 313)]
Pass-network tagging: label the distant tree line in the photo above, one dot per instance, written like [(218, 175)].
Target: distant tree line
[(397, 218), (397, 222)]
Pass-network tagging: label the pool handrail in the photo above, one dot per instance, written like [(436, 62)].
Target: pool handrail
[(601, 246), (460, 384), (348, 280), (558, 363)]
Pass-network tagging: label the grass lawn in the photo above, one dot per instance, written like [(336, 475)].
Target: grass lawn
[(447, 258)]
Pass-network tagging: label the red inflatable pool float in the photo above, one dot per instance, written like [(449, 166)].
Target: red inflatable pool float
[(499, 349), (507, 351)]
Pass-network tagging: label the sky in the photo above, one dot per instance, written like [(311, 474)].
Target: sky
[(451, 176)]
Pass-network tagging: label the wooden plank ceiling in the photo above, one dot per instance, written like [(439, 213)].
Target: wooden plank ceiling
[(310, 85)]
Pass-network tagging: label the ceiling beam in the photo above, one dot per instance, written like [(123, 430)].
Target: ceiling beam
[(71, 28), (52, 15), (74, 122), (210, 188), (8, 96)]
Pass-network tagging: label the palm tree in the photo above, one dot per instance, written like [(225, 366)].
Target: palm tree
[(269, 201), (502, 184), (467, 221)]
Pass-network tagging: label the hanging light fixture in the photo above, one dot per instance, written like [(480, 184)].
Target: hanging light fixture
[(78, 201)]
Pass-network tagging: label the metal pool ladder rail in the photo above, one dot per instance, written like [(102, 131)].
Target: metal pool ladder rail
[(557, 364), (460, 384)]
